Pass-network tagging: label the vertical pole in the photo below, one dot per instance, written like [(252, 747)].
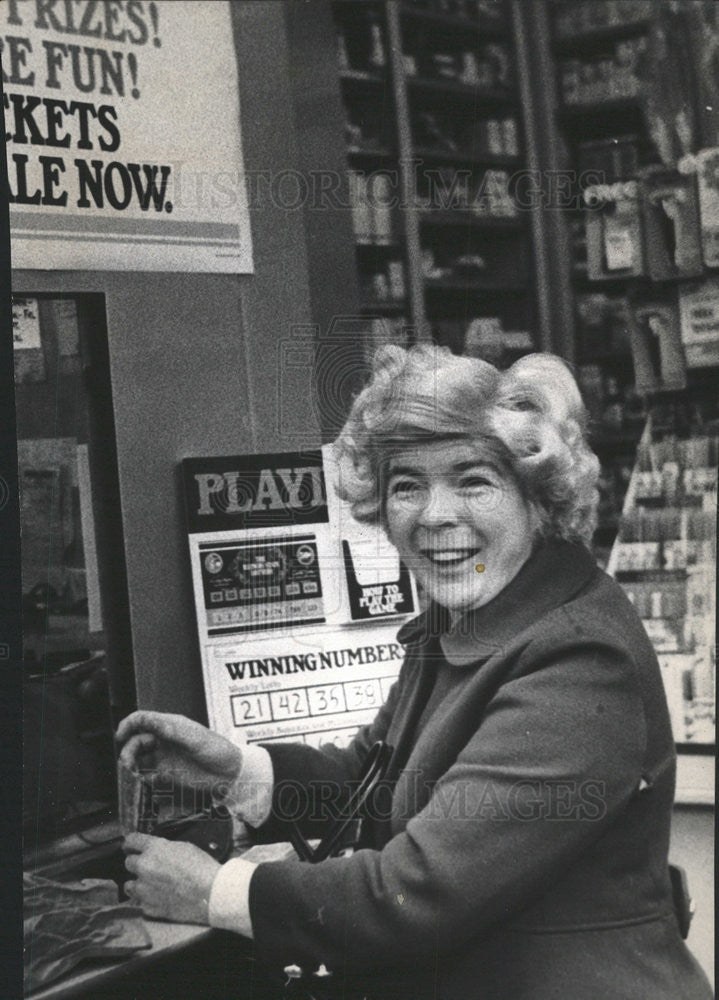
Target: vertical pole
[(545, 158), (408, 180)]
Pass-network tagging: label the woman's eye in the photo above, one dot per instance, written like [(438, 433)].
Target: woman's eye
[(405, 488), (476, 483)]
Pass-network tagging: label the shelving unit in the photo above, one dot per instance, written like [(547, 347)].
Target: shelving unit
[(665, 558), (432, 105), (601, 52), (372, 155), (630, 115)]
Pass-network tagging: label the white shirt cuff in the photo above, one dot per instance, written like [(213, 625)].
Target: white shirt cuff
[(249, 796), (229, 907)]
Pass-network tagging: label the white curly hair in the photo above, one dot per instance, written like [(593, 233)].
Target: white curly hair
[(530, 417)]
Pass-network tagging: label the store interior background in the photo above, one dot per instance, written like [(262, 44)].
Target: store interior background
[(483, 99)]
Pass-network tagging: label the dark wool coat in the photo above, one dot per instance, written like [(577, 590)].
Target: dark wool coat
[(522, 853)]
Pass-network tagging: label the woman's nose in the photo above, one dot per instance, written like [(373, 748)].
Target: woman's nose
[(441, 506)]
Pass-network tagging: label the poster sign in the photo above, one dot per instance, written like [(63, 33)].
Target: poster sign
[(25, 324), (254, 491), (297, 604), (123, 136), (314, 687)]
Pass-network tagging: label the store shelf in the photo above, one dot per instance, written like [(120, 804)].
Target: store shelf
[(586, 42), (606, 283), (649, 575), (488, 161), (363, 78), (467, 219), (476, 284), (484, 28), (343, 6), (387, 307), (615, 109), (611, 356), (637, 281), (383, 248), (370, 153), (492, 100)]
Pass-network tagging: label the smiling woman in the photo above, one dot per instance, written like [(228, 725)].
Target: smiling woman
[(529, 423), (449, 507), (521, 847)]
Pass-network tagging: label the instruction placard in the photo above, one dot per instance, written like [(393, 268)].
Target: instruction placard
[(297, 604), (315, 686)]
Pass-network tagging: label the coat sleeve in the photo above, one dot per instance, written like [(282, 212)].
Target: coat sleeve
[(488, 842), (311, 783)]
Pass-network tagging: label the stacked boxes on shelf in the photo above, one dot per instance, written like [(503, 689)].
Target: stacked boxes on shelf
[(436, 132), (586, 15), (665, 557), (448, 188), (620, 71), (486, 67), (372, 198)]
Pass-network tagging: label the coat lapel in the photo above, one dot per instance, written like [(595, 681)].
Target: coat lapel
[(554, 574), (420, 638)]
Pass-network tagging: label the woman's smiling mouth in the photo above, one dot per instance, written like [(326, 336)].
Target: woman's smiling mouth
[(449, 557)]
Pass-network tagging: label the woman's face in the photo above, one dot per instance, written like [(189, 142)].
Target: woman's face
[(458, 521)]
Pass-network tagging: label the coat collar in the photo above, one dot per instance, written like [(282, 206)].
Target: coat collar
[(555, 573)]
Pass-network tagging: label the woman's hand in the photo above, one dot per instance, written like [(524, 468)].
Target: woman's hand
[(172, 880), (175, 747)]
